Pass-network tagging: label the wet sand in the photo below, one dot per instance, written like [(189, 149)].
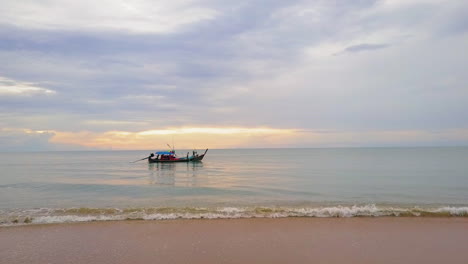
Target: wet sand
[(291, 240)]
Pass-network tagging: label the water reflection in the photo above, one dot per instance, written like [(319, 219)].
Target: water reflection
[(174, 174)]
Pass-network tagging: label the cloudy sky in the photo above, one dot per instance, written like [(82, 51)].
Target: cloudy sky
[(114, 74)]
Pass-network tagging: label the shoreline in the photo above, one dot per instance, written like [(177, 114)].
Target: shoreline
[(88, 214), (248, 240)]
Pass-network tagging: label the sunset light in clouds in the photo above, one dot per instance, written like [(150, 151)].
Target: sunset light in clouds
[(190, 138), (186, 138), (232, 74)]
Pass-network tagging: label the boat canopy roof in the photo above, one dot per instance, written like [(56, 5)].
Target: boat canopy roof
[(164, 153)]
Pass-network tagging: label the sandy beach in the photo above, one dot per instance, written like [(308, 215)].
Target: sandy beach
[(287, 240)]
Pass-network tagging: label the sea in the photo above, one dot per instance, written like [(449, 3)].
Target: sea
[(82, 186)]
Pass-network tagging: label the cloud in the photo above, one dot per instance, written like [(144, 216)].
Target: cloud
[(18, 88), (24, 140), (186, 138), (245, 64), (223, 137), (104, 15), (229, 137), (364, 47)]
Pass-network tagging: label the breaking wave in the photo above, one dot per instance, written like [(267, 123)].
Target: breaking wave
[(70, 215)]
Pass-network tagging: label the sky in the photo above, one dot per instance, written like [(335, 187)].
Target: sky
[(108, 74)]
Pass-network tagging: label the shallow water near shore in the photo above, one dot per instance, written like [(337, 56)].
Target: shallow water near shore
[(43, 187)]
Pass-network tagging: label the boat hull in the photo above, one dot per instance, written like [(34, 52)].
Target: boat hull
[(189, 159)]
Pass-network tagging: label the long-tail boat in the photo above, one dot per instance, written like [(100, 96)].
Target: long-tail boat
[(170, 156)]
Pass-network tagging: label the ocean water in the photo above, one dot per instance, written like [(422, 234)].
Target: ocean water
[(50, 187)]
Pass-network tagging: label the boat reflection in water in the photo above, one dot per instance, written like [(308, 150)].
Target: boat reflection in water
[(174, 174)]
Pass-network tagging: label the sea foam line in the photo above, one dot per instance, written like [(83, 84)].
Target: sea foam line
[(70, 215)]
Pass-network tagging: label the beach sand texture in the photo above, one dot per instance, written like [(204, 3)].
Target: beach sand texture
[(288, 240)]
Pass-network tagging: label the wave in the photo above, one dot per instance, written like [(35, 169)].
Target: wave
[(70, 215)]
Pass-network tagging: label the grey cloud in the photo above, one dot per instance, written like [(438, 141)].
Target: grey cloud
[(364, 47), (22, 141), (457, 25), (245, 67)]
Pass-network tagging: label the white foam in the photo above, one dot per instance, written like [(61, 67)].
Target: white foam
[(231, 210), (456, 211), (45, 215), (340, 211), (72, 218)]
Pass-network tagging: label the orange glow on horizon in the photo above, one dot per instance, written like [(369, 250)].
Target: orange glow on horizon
[(238, 137), (208, 137)]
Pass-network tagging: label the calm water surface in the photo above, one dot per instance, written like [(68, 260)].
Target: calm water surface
[(289, 178)]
